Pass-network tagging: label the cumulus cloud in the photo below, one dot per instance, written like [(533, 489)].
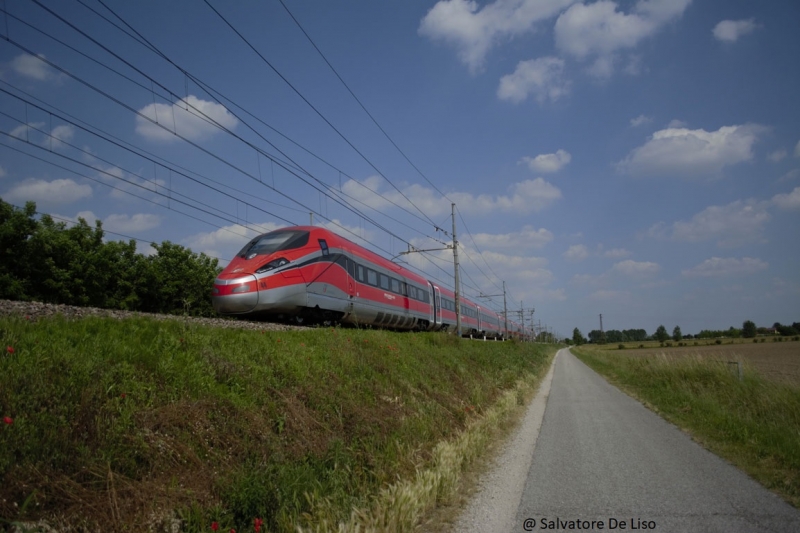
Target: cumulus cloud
[(527, 238), (543, 78), (599, 30), (131, 223), (43, 192), (777, 155), (548, 162), (730, 225), (726, 266), (682, 152), (789, 200), (576, 252), (729, 31), (640, 120), (33, 67), (473, 30), (523, 197), (191, 118)]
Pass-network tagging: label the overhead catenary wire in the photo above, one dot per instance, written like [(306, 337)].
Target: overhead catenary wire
[(271, 157), (200, 113)]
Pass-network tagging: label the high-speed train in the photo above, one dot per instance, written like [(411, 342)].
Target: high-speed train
[(307, 273)]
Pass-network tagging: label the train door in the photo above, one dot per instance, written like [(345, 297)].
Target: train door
[(437, 305)]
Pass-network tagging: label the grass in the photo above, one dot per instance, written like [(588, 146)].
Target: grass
[(753, 423), (123, 425)]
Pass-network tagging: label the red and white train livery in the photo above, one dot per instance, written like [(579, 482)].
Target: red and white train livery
[(310, 273)]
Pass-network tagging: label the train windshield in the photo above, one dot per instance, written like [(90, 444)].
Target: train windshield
[(273, 242)]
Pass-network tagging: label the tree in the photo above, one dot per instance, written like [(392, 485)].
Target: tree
[(577, 337), (749, 329), (661, 334), (676, 334)]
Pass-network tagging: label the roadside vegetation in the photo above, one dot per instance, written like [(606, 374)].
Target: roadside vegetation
[(123, 425), (753, 422), (45, 261)]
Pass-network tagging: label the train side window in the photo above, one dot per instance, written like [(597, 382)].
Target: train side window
[(384, 281), (361, 276), (412, 292), (324, 245), (351, 268), (395, 285), (403, 288), (372, 277)]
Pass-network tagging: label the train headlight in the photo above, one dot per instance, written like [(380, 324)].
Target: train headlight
[(244, 287), (275, 263)]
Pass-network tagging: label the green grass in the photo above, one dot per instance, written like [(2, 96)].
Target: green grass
[(125, 424), (754, 423)]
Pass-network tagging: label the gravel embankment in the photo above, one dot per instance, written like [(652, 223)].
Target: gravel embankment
[(38, 310)]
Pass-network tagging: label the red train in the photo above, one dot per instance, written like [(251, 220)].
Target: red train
[(306, 273)]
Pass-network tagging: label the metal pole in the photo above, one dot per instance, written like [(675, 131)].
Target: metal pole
[(505, 309), (522, 317), (455, 263)]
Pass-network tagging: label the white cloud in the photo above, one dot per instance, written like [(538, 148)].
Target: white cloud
[(789, 200), (727, 266), (473, 30), (126, 223), (576, 252), (543, 78), (731, 225), (690, 153), (524, 197), (191, 118), (3, 172), (636, 268), (729, 31), (796, 152), (777, 155), (548, 162), (790, 176), (606, 295), (640, 120), (60, 191), (33, 67), (527, 238), (60, 135), (598, 29)]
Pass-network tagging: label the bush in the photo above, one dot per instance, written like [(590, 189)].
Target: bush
[(621, 346), (718, 341)]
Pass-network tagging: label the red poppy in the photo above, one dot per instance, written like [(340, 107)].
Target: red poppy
[(10, 349), (302, 344), (233, 530), (8, 420), (122, 395), (257, 523), (214, 526)]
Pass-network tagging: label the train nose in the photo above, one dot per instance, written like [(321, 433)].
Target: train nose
[(233, 296)]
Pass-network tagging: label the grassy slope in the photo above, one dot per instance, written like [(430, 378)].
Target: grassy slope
[(753, 423), (120, 423)]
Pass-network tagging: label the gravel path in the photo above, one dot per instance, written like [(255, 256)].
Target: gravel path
[(37, 310)]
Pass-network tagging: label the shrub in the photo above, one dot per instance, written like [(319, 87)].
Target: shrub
[(621, 346), (718, 341)]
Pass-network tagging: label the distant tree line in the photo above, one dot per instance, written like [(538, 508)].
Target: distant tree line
[(46, 261), (748, 330)]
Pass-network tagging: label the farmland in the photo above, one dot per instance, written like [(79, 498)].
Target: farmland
[(776, 361)]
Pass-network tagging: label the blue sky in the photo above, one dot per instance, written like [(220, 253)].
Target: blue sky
[(635, 159)]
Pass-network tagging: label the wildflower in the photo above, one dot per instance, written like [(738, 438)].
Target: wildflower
[(122, 395), (302, 344), (7, 420), (214, 526), (233, 530), (10, 349), (257, 523)]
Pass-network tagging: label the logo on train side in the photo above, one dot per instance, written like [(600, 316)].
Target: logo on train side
[(389, 296)]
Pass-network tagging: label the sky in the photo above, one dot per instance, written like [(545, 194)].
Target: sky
[(639, 160)]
